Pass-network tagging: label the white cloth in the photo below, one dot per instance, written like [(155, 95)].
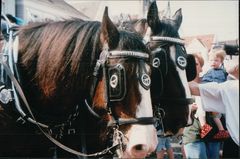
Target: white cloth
[(200, 112), (223, 98)]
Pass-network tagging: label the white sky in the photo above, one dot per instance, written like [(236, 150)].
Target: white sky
[(199, 17), (207, 17)]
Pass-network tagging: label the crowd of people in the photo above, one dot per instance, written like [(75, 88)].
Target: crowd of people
[(215, 129)]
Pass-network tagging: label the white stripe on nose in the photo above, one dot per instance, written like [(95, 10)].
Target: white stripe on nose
[(142, 138), (183, 77)]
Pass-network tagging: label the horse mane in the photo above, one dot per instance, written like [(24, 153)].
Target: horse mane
[(59, 51)]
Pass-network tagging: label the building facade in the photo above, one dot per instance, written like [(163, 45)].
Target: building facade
[(39, 10)]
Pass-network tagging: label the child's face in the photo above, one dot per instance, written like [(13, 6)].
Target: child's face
[(215, 62)]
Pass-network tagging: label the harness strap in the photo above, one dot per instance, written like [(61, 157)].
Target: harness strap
[(20, 92), (168, 39), (135, 54), (140, 121), (179, 101), (91, 110), (95, 79)]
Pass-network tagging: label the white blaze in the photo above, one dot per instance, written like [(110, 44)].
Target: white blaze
[(144, 135), (183, 77)]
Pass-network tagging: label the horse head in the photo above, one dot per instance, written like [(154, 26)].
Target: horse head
[(93, 65), (173, 69), (124, 89)]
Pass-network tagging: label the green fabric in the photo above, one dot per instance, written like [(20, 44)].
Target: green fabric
[(191, 133)]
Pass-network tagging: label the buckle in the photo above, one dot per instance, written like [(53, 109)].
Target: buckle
[(71, 131), (5, 96), (21, 120)]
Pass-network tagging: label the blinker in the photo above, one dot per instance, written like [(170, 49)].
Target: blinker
[(116, 78), (181, 54), (145, 81), (144, 78), (159, 57), (181, 62), (191, 67)]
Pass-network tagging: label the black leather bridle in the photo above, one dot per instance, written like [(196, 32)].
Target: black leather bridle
[(144, 80)]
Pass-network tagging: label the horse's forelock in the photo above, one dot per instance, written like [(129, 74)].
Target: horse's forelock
[(132, 42), (168, 28)]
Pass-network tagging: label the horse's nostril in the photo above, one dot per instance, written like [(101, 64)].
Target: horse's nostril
[(139, 151), (139, 147)]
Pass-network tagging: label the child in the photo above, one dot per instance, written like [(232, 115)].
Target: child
[(164, 145), (218, 74)]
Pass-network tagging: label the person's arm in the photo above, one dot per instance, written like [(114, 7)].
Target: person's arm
[(194, 88), (210, 95), (222, 98)]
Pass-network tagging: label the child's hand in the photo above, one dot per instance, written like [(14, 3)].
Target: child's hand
[(194, 107)]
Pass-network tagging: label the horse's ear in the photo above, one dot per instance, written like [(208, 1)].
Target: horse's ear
[(177, 17), (109, 34), (152, 16)]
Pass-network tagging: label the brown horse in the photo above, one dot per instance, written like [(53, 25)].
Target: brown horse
[(172, 67), (87, 85)]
